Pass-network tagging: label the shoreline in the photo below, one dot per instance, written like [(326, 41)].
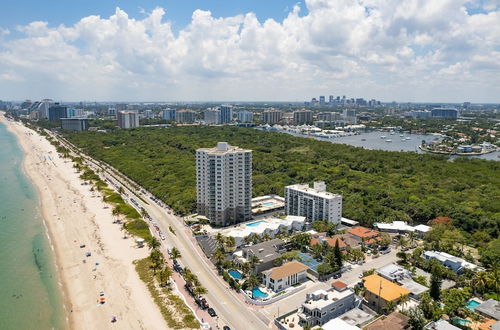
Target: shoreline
[(73, 215), (457, 153)]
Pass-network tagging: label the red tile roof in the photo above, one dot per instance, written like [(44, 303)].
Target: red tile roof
[(363, 232)]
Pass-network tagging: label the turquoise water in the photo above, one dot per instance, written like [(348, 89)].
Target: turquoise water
[(253, 224), (235, 274), (258, 294), (268, 204), (29, 293), (461, 321), (472, 304)]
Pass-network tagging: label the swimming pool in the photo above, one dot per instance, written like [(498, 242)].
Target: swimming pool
[(256, 293), (460, 321), (472, 304), (268, 204), (235, 274), (253, 224)]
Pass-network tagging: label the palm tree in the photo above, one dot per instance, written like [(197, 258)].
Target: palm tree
[(153, 243), (252, 281), (199, 290), (245, 267), (480, 281), (220, 240), (164, 276), (175, 253), (121, 190), (157, 260), (144, 213), (219, 257), (230, 242), (253, 260)]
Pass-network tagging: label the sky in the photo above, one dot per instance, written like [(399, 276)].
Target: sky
[(250, 50)]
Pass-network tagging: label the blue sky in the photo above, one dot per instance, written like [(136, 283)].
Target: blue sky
[(273, 50), (21, 12)]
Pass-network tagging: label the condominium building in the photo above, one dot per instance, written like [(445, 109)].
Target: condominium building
[(302, 116), (272, 116), (127, 119), (212, 116), (226, 114), (224, 184), (321, 306), (75, 124), (57, 111), (245, 116), (444, 113), (168, 114), (185, 116), (313, 203)]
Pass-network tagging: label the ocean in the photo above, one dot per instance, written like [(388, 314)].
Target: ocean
[(30, 297)]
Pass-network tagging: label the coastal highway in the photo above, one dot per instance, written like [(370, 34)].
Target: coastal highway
[(231, 309)]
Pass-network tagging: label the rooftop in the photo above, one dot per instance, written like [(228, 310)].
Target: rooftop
[(319, 190), (339, 285), (443, 257), (388, 290), (363, 232), (290, 268), (490, 307), (337, 324), (396, 225), (265, 251), (394, 272), (414, 287), (357, 317), (440, 325), (321, 298), (223, 148), (393, 321)]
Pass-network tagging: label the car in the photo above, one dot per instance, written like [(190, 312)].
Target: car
[(211, 312), (226, 328), (360, 275), (385, 250)]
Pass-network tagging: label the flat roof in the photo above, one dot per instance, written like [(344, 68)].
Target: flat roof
[(337, 324), (331, 296), (388, 290), (490, 307), (311, 191)]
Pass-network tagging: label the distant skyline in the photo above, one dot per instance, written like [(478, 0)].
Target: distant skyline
[(401, 50)]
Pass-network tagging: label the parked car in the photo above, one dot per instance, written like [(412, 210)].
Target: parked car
[(226, 328), (385, 250), (211, 312)]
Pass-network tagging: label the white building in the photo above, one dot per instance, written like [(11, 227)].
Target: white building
[(185, 116), (270, 226), (245, 116), (127, 119), (272, 116), (454, 263), (224, 184), (212, 116), (321, 306), (401, 227), (282, 277), (313, 203)]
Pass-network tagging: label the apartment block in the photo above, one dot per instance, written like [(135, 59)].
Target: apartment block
[(127, 119), (313, 203), (224, 184)]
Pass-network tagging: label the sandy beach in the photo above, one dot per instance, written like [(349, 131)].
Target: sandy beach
[(74, 216)]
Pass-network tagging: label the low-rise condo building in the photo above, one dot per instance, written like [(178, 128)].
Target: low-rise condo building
[(379, 292), (456, 264)]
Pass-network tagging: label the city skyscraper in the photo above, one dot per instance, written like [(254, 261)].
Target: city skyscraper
[(168, 114), (57, 111), (226, 114), (224, 184)]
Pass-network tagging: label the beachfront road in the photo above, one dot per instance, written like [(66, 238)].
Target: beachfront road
[(231, 309)]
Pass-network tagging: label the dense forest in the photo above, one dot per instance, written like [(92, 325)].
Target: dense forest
[(376, 185)]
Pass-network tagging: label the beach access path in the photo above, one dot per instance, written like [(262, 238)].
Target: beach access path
[(75, 216)]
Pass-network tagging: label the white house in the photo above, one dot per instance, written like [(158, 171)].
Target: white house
[(282, 277)]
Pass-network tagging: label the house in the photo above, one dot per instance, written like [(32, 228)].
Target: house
[(282, 277), (454, 263), (402, 276), (321, 306), (379, 292), (364, 235), (421, 229), (393, 321), (345, 240), (490, 308), (440, 325), (397, 227), (267, 252)]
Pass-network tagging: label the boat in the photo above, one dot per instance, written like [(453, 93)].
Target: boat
[(363, 139), (388, 140), (392, 133), (382, 137), (401, 135), (408, 138)]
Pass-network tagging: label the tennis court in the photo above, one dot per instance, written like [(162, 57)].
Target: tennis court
[(309, 261)]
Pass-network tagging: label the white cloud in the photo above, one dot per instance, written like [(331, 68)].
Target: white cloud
[(387, 49)]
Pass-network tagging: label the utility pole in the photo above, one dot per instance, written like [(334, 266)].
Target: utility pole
[(379, 293)]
